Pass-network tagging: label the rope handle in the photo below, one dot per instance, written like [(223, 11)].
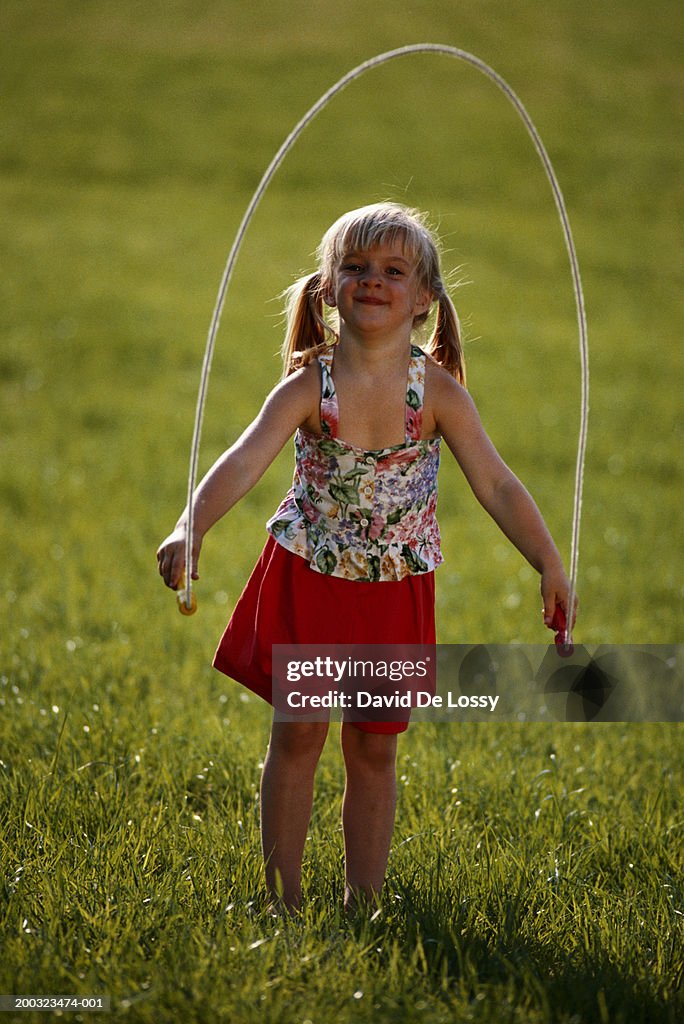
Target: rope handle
[(185, 595)]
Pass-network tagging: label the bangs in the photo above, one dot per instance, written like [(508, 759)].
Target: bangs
[(381, 224)]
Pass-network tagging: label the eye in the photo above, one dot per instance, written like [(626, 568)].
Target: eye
[(352, 268), (395, 272)]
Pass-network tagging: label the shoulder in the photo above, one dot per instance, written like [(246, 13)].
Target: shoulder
[(296, 398), (438, 378), (295, 394), (302, 384), (305, 382), (446, 400)]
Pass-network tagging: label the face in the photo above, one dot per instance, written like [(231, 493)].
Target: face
[(377, 291)]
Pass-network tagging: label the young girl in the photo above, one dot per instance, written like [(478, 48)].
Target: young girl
[(354, 544)]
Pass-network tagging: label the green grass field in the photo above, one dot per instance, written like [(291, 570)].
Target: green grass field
[(536, 871)]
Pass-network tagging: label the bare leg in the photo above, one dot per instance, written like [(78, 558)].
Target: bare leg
[(367, 811), (286, 800)]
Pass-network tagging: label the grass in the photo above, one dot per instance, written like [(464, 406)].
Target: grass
[(520, 883), (535, 874)]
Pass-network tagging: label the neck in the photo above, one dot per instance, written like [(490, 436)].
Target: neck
[(371, 354)]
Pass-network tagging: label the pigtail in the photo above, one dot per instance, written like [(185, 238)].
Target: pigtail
[(307, 332), (445, 345)]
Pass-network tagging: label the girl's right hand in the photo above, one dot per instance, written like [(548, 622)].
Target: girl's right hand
[(171, 558)]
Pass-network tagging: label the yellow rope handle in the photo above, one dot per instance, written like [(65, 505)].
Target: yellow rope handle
[(187, 602)]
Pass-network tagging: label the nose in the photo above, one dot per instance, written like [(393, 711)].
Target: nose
[(370, 276)]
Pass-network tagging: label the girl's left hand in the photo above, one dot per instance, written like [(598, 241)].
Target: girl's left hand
[(555, 591)]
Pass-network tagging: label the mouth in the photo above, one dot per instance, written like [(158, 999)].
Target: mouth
[(368, 300)]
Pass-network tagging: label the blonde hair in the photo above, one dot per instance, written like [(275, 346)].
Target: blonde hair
[(307, 330)]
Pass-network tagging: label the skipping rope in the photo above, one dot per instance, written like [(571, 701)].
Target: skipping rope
[(186, 598)]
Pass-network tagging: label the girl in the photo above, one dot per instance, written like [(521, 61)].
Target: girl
[(354, 544)]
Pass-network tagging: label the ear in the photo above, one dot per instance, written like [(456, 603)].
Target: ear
[(328, 294), (423, 301)]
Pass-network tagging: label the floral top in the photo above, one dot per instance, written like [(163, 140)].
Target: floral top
[(363, 515)]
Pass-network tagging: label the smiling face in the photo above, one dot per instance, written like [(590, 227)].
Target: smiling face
[(377, 291)]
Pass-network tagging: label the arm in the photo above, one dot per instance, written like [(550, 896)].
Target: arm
[(291, 404), (499, 491)]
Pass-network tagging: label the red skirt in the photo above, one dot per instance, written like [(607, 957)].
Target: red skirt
[(287, 602)]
